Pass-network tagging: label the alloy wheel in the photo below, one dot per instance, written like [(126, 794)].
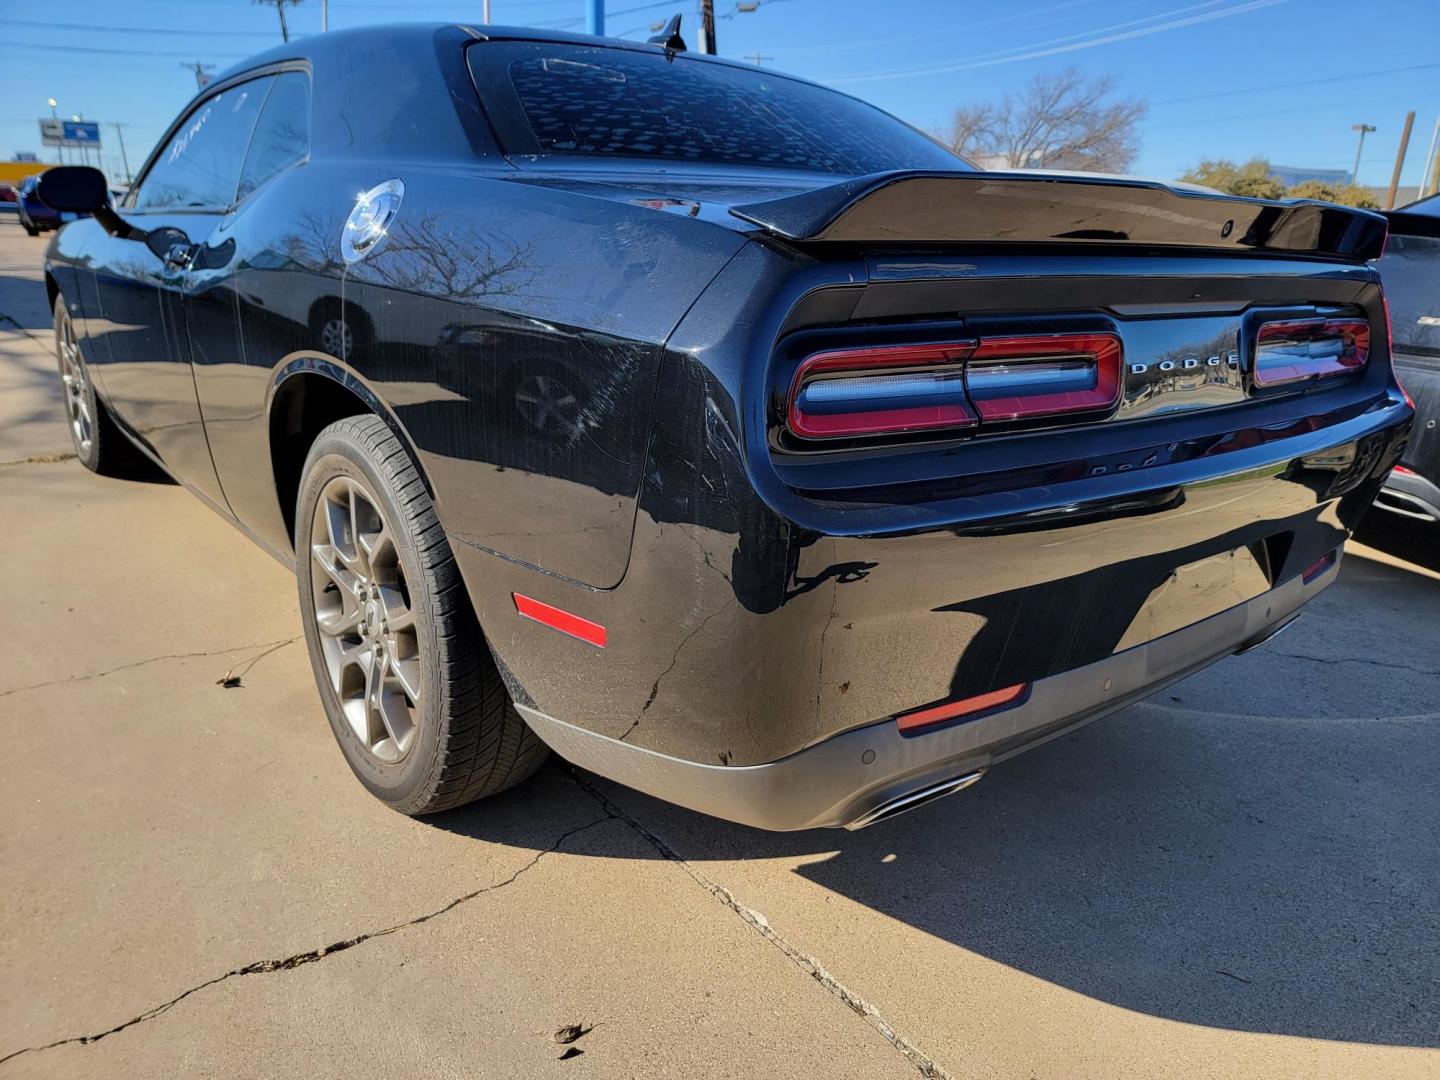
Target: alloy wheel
[(547, 404), (336, 338), (77, 385), (366, 623)]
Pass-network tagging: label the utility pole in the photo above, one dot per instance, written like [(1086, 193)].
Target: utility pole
[(757, 58), (280, 7), (1362, 128), (595, 17), (124, 158), (485, 12), (1400, 159), (201, 76), (1430, 172), (325, 14), (707, 27)]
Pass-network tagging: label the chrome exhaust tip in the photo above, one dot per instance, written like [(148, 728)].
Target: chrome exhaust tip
[(911, 800), (1266, 634)]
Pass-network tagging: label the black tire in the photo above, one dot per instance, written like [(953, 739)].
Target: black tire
[(468, 741), (33, 230), (107, 452)]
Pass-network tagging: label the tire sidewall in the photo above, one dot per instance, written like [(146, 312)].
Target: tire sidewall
[(340, 454)]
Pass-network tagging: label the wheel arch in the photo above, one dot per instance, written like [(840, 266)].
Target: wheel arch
[(306, 395)]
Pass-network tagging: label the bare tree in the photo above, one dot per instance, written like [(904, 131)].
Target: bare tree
[(1059, 121)]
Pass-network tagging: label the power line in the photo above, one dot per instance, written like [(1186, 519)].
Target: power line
[(138, 53), (1044, 48), (131, 29), (1288, 85)]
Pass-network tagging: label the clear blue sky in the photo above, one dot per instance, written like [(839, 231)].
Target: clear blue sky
[(1221, 76)]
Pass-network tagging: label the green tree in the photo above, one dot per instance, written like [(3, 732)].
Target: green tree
[(1252, 179), (1348, 195)]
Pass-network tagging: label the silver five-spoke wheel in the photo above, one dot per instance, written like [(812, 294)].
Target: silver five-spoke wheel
[(77, 388), (366, 624)]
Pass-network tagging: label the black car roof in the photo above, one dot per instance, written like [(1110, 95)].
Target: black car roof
[(422, 34)]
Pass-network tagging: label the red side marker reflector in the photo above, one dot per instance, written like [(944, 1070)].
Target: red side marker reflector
[(1403, 471), (953, 710), (1318, 567), (563, 621)]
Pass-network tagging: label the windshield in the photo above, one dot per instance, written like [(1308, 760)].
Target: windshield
[(547, 99)]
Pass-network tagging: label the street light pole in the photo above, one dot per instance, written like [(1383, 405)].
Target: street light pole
[(485, 12), (595, 17), (1362, 128)]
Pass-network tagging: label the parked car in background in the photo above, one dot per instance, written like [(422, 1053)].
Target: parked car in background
[(718, 430), (9, 199), (1411, 272), (35, 215)]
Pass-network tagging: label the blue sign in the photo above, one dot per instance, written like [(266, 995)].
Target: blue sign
[(81, 132)]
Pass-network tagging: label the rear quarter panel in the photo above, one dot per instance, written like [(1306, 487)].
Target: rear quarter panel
[(483, 287)]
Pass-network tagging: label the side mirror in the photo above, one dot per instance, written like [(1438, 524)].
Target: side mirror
[(75, 188), (83, 190)]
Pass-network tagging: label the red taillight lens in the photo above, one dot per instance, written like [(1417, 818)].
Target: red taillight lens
[(910, 723), (892, 389), (953, 385), (1017, 378), (1318, 567), (1390, 347), (1293, 350)]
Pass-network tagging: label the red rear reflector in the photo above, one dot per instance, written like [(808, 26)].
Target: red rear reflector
[(1293, 350), (953, 710), (563, 621), (1016, 378), (848, 392), (1403, 471), (1318, 567)]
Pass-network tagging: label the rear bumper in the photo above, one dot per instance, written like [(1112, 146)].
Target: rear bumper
[(868, 773), (1411, 495)]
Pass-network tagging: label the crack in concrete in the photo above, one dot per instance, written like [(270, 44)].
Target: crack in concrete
[(927, 1066), (1354, 660), (268, 646), (23, 329), (38, 459), (265, 967)]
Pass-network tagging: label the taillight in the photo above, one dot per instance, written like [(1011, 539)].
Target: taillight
[(1390, 347), (893, 389), (1017, 378), (954, 385), (1294, 350)]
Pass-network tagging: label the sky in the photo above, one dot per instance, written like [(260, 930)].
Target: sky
[(1282, 79)]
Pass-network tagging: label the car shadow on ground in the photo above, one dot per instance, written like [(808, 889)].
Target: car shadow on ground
[(1414, 541), (1248, 850)]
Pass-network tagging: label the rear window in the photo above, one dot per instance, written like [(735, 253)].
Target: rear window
[(549, 99)]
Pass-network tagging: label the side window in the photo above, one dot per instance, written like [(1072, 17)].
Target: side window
[(200, 165), (282, 137)]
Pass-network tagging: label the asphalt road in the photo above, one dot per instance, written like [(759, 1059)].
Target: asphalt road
[(1238, 877)]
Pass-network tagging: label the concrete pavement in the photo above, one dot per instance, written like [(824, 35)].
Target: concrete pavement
[(1237, 877)]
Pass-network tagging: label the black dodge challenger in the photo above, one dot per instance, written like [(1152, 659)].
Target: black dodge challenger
[(716, 430)]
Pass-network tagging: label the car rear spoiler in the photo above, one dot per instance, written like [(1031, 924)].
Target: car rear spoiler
[(1032, 207)]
